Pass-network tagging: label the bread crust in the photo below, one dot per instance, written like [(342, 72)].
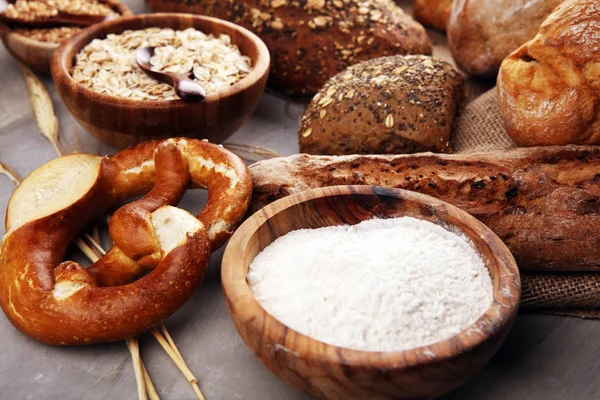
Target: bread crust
[(388, 105), (435, 13), (544, 203), (550, 87), (481, 33), (312, 40)]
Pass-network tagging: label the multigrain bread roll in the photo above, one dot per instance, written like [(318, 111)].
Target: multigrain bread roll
[(312, 40), (544, 203), (389, 105), (435, 13), (481, 33), (550, 87)]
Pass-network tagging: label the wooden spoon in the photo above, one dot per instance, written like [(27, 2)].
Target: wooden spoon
[(185, 87), (61, 18)]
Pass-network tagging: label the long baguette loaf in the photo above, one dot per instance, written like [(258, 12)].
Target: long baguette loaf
[(543, 202)]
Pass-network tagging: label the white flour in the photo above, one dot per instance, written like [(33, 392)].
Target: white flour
[(381, 285)]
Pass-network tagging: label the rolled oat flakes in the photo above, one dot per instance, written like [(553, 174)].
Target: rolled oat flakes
[(108, 65), (32, 10)]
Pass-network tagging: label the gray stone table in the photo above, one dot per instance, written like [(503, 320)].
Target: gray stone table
[(545, 357)]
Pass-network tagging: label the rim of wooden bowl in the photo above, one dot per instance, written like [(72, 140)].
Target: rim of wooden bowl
[(501, 312), (61, 66), (117, 6)]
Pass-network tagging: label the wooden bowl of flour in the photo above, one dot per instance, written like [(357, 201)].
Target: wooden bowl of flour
[(330, 372)]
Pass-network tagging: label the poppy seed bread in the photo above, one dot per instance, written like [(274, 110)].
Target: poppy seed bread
[(388, 105)]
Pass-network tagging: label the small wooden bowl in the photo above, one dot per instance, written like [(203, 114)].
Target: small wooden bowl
[(330, 372), (122, 122), (36, 54)]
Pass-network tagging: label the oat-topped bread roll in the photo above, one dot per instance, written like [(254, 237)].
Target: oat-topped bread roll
[(435, 13), (312, 40), (550, 87), (481, 33), (388, 105)]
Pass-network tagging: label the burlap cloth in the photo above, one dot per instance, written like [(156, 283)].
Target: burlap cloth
[(479, 128)]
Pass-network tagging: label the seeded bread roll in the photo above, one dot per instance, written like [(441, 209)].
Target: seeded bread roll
[(543, 202), (435, 13), (481, 33), (312, 40), (550, 87), (398, 104)]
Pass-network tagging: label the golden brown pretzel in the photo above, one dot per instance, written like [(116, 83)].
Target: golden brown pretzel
[(63, 303)]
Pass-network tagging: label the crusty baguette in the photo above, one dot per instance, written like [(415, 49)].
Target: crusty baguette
[(435, 13), (544, 203), (388, 105), (312, 40), (481, 33), (550, 87)]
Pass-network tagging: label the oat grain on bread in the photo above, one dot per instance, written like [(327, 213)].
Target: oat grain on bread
[(550, 87), (312, 40), (435, 13), (389, 105), (544, 203), (481, 33)]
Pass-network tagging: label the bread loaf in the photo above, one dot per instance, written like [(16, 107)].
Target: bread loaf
[(435, 13), (481, 33), (544, 203), (396, 104), (312, 40), (550, 87)]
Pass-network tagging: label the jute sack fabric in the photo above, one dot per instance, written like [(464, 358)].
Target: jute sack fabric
[(480, 128)]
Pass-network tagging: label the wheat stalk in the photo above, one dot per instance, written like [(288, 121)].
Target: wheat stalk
[(10, 174), (43, 110), (149, 385), (134, 349), (169, 347), (243, 150)]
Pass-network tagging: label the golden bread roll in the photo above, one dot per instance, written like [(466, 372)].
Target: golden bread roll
[(481, 33), (435, 13), (550, 87)]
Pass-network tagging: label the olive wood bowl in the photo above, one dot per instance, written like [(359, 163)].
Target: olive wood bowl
[(121, 122), (329, 372), (37, 54)]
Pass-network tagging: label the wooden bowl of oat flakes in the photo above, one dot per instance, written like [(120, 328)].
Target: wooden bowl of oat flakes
[(109, 95), (34, 46), (365, 292)]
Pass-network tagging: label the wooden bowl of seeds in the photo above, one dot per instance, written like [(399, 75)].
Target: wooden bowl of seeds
[(362, 319), (34, 46), (97, 77)]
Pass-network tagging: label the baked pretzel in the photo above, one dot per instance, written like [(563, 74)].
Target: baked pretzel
[(160, 253)]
